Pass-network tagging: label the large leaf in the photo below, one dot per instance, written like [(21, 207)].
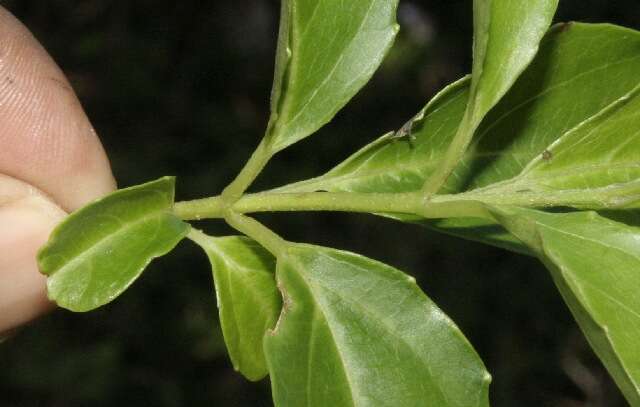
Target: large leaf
[(595, 263), (355, 332), (596, 165), (327, 50), (579, 70), (248, 300), (99, 250)]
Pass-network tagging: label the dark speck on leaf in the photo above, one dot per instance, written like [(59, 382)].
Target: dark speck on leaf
[(565, 26), (547, 155)]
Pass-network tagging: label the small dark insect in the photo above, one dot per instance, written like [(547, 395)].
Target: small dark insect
[(404, 132), (547, 155)]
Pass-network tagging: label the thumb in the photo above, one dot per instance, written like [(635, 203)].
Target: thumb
[(27, 217), (47, 142)]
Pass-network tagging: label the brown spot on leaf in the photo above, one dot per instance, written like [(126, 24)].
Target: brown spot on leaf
[(286, 305)]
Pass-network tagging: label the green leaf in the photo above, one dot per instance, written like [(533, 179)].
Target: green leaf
[(392, 164), (248, 300), (99, 250), (595, 262), (506, 38), (327, 50), (595, 165), (356, 332)]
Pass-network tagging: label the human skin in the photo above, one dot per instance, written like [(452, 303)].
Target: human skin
[(51, 163)]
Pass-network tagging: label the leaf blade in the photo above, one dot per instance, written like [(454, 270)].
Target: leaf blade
[(326, 52), (248, 300), (381, 340), (506, 38), (594, 262), (119, 235)]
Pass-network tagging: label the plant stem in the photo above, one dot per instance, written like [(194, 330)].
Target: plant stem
[(468, 204), (204, 208), (411, 203), (199, 237), (258, 232), (330, 201), (248, 174), (452, 157)]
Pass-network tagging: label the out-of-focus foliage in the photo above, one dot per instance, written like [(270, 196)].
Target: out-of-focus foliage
[(167, 86)]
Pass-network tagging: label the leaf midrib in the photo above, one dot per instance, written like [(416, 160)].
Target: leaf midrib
[(127, 226), (364, 311)]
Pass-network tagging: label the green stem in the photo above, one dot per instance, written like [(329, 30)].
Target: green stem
[(468, 204), (452, 157), (204, 208), (199, 237), (258, 232), (330, 201), (248, 174), (412, 203)]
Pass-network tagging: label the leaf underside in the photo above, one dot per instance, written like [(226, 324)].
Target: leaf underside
[(99, 250), (595, 263), (248, 300), (355, 332)]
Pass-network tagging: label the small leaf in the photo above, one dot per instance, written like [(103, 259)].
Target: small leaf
[(356, 332), (327, 50), (99, 250), (248, 300), (595, 263)]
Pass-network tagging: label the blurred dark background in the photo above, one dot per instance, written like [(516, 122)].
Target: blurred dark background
[(181, 88)]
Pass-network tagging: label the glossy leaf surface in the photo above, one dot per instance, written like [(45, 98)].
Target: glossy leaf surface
[(248, 300), (99, 250), (506, 38), (595, 262), (327, 50), (356, 332)]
